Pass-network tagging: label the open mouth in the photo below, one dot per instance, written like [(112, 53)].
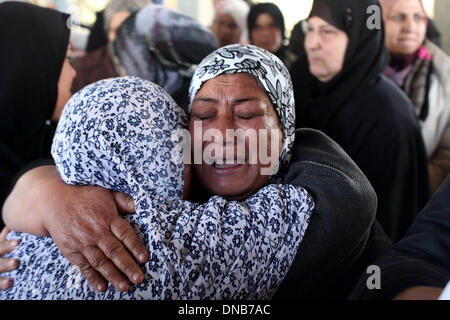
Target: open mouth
[(227, 164)]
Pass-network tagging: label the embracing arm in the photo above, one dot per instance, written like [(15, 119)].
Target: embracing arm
[(83, 222), (34, 192)]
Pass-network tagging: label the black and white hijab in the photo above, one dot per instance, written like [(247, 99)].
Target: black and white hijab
[(268, 70)]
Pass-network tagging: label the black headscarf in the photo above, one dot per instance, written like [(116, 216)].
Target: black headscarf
[(367, 115), (34, 43), (366, 58), (272, 10)]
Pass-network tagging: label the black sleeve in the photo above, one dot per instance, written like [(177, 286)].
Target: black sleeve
[(328, 262), (400, 272), (421, 258), (429, 236)]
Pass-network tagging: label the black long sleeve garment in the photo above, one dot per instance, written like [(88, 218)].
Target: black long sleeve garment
[(343, 236), (367, 115), (421, 258), (34, 43)]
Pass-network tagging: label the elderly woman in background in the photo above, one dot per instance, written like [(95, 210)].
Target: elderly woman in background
[(99, 64), (422, 70), (230, 22), (36, 78), (164, 47), (340, 90), (266, 29)]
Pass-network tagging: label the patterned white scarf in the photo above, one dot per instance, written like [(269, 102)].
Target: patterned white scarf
[(117, 134), (267, 69)]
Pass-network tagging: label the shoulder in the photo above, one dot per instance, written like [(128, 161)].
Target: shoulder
[(391, 105), (439, 58), (333, 179), (441, 63)]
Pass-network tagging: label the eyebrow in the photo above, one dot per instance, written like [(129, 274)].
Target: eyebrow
[(327, 27), (236, 101), (205, 100)]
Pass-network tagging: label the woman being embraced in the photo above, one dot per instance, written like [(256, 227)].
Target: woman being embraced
[(118, 134)]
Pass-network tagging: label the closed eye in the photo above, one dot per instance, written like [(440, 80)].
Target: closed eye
[(203, 116), (245, 116)]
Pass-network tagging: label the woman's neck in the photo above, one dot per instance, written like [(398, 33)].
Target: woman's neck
[(402, 61)]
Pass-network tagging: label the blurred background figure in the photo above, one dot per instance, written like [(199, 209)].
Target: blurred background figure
[(433, 33), (297, 39), (422, 70), (35, 82), (163, 46), (98, 64), (97, 37), (230, 22), (267, 30), (340, 90)]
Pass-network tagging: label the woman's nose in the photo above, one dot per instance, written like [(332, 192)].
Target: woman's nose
[(224, 122), (408, 25), (312, 41)]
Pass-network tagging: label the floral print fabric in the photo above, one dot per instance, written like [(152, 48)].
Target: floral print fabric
[(216, 250)]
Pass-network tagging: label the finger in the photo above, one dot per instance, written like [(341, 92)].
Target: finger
[(106, 268), (8, 264), (6, 246), (4, 233), (122, 259), (90, 274), (124, 203), (123, 231), (5, 283)]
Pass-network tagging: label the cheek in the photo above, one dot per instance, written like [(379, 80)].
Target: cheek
[(256, 40), (277, 39), (422, 32), (196, 133), (335, 53), (392, 32)]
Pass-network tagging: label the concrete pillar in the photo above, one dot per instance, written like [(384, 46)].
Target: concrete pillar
[(441, 18), (202, 10)]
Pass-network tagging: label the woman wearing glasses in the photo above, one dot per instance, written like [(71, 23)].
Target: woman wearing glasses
[(422, 70)]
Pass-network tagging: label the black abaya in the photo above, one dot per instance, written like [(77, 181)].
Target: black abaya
[(368, 116), (34, 42)]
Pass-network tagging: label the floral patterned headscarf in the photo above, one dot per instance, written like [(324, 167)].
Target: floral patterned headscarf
[(267, 69), (111, 134), (116, 133)]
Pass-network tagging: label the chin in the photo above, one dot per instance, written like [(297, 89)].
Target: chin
[(407, 48), (224, 191)]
